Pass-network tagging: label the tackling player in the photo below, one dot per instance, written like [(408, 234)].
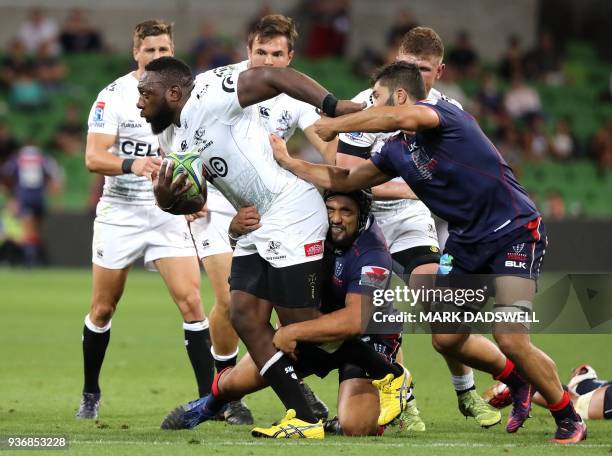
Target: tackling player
[(270, 44), (278, 265), (357, 262), (128, 224), (407, 223), (457, 172), (591, 396)]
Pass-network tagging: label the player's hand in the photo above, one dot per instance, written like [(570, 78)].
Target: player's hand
[(279, 149), (246, 220), (168, 192), (285, 341), (324, 129), (348, 107), (146, 166), (200, 214)]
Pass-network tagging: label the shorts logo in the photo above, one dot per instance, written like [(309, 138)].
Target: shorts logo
[(312, 283), (205, 244), (515, 264), (184, 145), (264, 112), (100, 253), (434, 249), (99, 111), (313, 249), (374, 276), (516, 255), (273, 247)]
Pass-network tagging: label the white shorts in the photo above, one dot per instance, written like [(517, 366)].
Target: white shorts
[(407, 225), (210, 232), (292, 231), (124, 232)]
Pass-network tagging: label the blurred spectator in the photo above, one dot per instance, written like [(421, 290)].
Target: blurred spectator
[(544, 60), (463, 56), (536, 139), (511, 62), (209, 50), (329, 30), (50, 70), (367, 62), (69, 135), (30, 175), (511, 147), (78, 35), (405, 22), (601, 147), (522, 101), (490, 98), (37, 30), (563, 144), (26, 91), (554, 206), (8, 144), (15, 62)]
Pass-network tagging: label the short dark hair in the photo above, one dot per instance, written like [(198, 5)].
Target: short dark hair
[(172, 70), (402, 74), (152, 27), (274, 25), (422, 42)]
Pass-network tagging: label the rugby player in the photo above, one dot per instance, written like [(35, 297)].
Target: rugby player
[(591, 396), (128, 224), (357, 262), (278, 265), (270, 43), (457, 172), (406, 222)]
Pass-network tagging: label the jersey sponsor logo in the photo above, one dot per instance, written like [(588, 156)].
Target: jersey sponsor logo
[(284, 122), (313, 249), (138, 149), (355, 134), (339, 268), (217, 168), (130, 124), (228, 84), (99, 111), (424, 164), (264, 112), (374, 276), (198, 136), (202, 91), (111, 87)]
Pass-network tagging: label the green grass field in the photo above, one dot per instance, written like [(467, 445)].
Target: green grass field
[(147, 373)]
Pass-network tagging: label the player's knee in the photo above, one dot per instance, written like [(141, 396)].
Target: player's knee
[(358, 426), (240, 317), (190, 302), (101, 313), (444, 343), (513, 345)]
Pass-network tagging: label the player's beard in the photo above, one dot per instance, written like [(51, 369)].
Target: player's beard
[(162, 119)]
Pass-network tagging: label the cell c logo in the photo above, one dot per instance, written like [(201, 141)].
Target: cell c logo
[(219, 166)]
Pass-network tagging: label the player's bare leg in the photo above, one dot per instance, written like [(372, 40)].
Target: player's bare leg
[(107, 288), (358, 407), (535, 366), (184, 287)]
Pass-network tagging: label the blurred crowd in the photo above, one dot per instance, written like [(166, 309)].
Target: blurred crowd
[(503, 97)]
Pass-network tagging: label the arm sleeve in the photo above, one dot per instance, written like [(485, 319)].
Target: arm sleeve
[(104, 116), (307, 116), (221, 94), (383, 160), (444, 115), (371, 272)]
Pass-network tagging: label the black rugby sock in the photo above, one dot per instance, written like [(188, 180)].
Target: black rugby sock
[(356, 351), (281, 376), (197, 343), (95, 341)]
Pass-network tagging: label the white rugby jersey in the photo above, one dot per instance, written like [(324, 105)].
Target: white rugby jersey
[(280, 115), (375, 141), (115, 113), (232, 142)]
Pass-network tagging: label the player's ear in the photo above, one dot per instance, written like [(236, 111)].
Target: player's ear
[(135, 51), (174, 93), (401, 96), (440, 70), (291, 53)]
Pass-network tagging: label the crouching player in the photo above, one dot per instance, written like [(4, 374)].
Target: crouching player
[(357, 263), (591, 396)]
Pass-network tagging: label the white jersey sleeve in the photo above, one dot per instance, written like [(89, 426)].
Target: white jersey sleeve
[(360, 139), (104, 116), (221, 89)]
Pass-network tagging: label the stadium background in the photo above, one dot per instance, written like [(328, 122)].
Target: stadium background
[(553, 124)]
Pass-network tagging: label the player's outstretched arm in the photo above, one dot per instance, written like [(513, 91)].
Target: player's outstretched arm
[(329, 177), (262, 83), (381, 119)]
